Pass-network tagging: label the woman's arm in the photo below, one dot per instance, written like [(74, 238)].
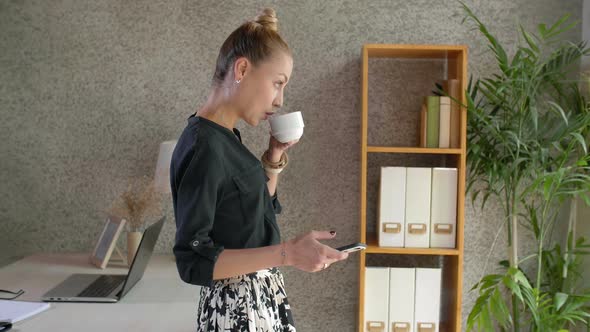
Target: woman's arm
[(234, 262), (304, 252), (273, 177), (275, 151)]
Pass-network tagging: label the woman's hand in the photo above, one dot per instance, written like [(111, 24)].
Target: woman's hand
[(276, 148), (306, 253)]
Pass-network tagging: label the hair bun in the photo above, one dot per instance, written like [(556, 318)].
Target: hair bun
[(268, 19)]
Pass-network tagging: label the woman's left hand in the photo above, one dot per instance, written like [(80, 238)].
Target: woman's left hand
[(276, 148)]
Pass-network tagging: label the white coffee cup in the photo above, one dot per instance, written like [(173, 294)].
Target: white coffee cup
[(287, 127)]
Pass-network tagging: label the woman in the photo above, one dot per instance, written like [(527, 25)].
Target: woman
[(225, 199)]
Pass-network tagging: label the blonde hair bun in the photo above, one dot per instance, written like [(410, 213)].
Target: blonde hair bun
[(268, 19)]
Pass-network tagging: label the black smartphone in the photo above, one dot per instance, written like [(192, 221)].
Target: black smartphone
[(352, 247)]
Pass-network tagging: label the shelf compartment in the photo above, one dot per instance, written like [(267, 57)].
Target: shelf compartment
[(373, 171)]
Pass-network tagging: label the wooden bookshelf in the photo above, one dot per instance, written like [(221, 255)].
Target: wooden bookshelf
[(455, 58)]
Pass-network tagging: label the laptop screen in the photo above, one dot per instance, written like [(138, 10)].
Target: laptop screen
[(142, 257)]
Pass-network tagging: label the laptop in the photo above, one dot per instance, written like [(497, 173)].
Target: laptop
[(107, 287)]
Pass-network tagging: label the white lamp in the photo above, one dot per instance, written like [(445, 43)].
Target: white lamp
[(162, 174)]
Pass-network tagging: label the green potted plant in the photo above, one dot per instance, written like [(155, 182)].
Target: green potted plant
[(528, 129)]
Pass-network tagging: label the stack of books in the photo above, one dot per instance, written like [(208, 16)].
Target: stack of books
[(440, 118)]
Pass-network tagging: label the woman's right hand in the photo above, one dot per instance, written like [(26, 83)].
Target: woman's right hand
[(306, 253)]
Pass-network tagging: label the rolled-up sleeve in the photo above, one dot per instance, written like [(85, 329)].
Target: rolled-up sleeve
[(197, 191)]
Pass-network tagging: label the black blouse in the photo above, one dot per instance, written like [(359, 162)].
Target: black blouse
[(220, 197)]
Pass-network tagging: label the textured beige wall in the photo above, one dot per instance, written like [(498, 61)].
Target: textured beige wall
[(88, 90)]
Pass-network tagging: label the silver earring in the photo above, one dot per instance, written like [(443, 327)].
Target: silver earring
[(238, 81)]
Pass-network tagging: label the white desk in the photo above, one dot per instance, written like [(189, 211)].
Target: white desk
[(160, 301)]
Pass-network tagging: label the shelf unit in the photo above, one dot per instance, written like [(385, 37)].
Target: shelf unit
[(454, 58)]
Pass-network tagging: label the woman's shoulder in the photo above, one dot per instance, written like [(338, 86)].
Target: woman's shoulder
[(198, 132), (196, 139), (207, 130)]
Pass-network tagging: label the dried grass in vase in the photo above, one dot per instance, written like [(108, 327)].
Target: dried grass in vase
[(139, 202)]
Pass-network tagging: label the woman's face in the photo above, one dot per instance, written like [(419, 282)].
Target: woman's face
[(262, 87)]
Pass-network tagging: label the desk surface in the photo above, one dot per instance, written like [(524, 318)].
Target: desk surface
[(160, 301)]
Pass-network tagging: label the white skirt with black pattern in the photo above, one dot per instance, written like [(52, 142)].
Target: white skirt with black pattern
[(254, 302)]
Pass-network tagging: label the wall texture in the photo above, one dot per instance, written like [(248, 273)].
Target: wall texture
[(88, 90)]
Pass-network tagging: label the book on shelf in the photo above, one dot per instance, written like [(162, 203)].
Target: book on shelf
[(453, 88), (432, 121), (423, 125), (444, 127)]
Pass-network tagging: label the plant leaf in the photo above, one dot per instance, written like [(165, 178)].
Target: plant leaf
[(560, 299)]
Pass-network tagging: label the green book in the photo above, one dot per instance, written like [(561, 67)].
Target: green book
[(432, 118)]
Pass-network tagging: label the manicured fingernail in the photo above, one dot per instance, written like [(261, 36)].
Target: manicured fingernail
[(333, 233)]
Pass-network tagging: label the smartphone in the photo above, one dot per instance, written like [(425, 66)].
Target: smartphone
[(352, 247)]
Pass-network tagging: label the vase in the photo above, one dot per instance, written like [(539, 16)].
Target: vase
[(133, 239)]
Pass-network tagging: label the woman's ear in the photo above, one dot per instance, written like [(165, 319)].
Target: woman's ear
[(241, 66)]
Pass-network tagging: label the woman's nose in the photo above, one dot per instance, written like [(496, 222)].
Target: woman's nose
[(278, 102)]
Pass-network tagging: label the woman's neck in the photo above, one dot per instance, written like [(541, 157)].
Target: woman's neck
[(219, 111)]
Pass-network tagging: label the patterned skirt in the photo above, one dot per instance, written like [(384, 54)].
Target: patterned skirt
[(254, 302)]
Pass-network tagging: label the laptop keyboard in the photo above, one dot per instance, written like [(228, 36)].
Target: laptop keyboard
[(102, 286)]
